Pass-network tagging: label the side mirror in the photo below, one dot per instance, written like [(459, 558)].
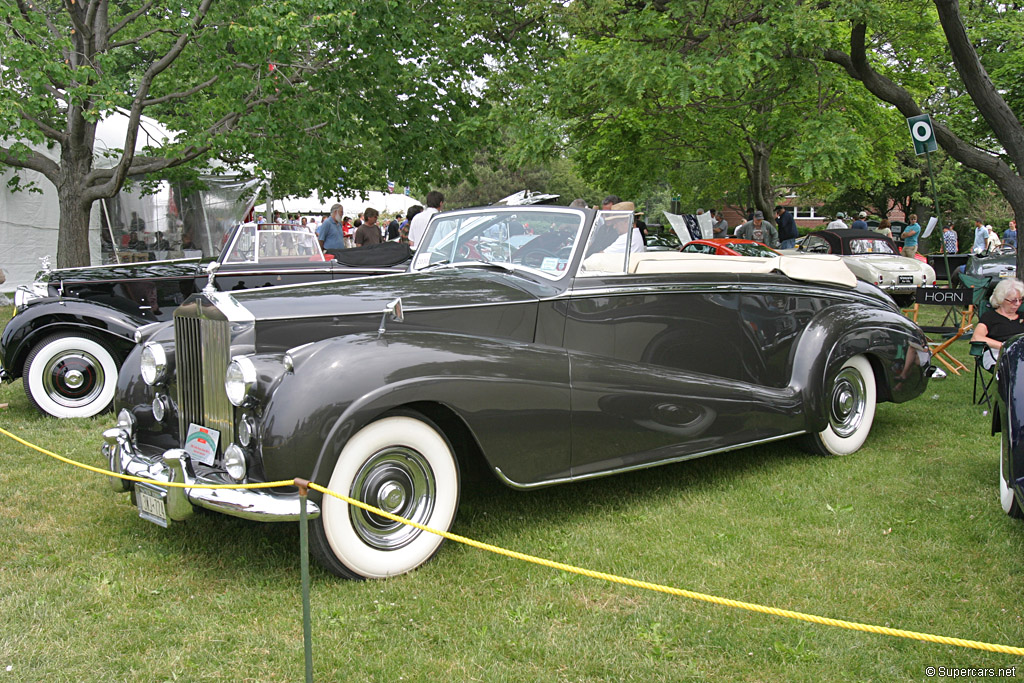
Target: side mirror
[(392, 311)]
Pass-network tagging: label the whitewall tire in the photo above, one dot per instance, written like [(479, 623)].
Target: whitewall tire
[(401, 464), (68, 375), (1007, 498), (850, 402)]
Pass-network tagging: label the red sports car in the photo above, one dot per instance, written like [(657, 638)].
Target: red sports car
[(729, 246)]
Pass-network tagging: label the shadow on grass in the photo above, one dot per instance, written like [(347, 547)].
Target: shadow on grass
[(214, 543)]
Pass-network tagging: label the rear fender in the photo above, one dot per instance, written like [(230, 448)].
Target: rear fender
[(494, 387), (896, 348)]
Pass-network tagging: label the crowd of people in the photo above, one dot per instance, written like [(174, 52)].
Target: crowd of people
[(338, 231)]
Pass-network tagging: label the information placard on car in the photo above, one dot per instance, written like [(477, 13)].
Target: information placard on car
[(201, 443)]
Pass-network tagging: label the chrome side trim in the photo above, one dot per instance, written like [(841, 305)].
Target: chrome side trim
[(692, 456), (122, 265)]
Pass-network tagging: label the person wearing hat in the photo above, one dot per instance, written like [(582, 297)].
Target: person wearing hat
[(628, 237), (838, 223), (860, 223), (760, 231)]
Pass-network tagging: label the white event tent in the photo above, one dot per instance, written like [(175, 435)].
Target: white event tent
[(29, 221), (385, 202)]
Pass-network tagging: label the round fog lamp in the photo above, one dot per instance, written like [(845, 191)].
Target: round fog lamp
[(239, 380), (234, 462), (159, 408), (153, 364), (246, 429)]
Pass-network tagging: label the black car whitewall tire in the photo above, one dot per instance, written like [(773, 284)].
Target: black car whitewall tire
[(68, 375), (1007, 497), (850, 402), (401, 464)]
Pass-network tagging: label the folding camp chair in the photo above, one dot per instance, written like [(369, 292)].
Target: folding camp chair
[(983, 377), (979, 287)]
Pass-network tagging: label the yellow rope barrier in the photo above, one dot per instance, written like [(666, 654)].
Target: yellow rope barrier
[(612, 578), (142, 480)]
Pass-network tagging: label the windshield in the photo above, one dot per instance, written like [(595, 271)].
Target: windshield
[(870, 246), (540, 239), (269, 243), (747, 249)]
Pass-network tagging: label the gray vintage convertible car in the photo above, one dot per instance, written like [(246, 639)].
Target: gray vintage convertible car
[(555, 359)]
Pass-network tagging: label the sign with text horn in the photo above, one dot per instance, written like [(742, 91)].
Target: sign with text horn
[(936, 296)]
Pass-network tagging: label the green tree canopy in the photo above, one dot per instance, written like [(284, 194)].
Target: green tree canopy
[(326, 94)]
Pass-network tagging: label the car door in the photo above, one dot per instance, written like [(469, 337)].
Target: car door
[(661, 366)]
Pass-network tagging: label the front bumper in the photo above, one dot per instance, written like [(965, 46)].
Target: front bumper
[(261, 505)]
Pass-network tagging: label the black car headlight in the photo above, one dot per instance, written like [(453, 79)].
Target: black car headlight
[(153, 363), (239, 380)]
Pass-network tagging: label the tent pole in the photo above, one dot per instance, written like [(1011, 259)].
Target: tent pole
[(110, 229)]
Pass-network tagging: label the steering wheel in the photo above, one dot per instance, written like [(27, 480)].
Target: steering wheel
[(537, 255)]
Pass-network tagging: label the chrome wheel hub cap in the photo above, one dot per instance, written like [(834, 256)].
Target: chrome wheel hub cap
[(398, 481), (73, 379), (849, 402)]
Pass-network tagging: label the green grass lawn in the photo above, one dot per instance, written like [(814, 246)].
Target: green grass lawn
[(906, 533)]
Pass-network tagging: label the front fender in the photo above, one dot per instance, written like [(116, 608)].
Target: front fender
[(897, 349), (495, 387), (110, 325)]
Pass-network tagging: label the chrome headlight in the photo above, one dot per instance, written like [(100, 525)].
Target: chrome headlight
[(234, 462), (239, 380), (153, 365), (26, 293)]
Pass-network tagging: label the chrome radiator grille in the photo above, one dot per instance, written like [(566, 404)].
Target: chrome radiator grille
[(202, 347)]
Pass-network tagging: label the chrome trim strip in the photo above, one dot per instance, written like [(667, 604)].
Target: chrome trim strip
[(633, 468), (743, 288), (122, 265)]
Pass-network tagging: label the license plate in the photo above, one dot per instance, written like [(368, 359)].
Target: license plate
[(152, 504), (905, 279)]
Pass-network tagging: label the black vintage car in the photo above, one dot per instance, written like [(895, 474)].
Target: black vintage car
[(559, 358), (73, 327), (1009, 421)]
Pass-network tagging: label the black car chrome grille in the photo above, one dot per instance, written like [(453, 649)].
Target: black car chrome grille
[(202, 348)]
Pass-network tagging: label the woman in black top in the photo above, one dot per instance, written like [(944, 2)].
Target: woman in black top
[(1001, 323)]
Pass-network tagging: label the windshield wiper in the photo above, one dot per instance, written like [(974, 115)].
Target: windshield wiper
[(447, 263), (437, 264)]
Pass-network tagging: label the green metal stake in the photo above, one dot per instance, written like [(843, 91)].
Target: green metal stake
[(307, 624), (938, 215)]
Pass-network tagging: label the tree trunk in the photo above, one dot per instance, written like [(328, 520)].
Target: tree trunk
[(75, 165), (760, 181)]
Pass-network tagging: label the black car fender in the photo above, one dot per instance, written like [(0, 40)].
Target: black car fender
[(339, 385), (109, 325), (896, 348), (1010, 404)]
